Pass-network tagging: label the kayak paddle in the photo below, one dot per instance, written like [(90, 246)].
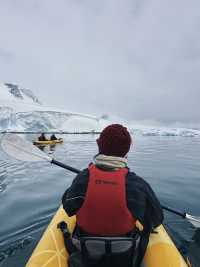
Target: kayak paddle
[(193, 219), (21, 149)]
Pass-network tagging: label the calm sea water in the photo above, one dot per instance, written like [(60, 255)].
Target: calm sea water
[(30, 193)]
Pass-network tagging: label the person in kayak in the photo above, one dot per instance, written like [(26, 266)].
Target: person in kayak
[(53, 137), (108, 199), (42, 137)]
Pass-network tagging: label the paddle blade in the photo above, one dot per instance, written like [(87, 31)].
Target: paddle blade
[(21, 149), (193, 220)]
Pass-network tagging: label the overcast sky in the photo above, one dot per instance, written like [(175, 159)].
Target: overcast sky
[(138, 59)]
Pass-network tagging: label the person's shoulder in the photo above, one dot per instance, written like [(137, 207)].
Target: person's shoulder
[(84, 172), (80, 182), (132, 177), (82, 175)]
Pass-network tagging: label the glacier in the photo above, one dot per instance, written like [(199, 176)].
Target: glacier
[(22, 111)]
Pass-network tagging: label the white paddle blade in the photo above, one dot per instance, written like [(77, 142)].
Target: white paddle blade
[(194, 220), (21, 149)]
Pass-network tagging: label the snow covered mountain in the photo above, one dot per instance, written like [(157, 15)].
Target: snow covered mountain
[(21, 110), (23, 94)]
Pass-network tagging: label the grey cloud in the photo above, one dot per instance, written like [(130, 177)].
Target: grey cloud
[(6, 56), (135, 59)]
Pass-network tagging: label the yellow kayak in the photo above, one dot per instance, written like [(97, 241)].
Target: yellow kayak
[(51, 252), (48, 142)]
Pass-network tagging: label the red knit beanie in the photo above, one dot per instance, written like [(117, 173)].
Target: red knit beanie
[(114, 140)]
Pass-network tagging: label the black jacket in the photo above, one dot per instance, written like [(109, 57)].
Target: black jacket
[(141, 200)]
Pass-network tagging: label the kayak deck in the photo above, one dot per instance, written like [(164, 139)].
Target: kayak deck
[(48, 142), (51, 252)]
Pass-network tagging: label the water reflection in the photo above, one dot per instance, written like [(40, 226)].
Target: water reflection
[(3, 175), (52, 148)]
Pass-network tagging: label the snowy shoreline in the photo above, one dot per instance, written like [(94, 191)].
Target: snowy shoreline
[(149, 132)]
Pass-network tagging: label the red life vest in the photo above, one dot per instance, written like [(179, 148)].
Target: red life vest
[(104, 211)]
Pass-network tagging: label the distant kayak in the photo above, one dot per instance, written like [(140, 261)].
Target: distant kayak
[(51, 252), (48, 142)]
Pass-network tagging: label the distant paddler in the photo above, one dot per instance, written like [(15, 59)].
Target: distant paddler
[(42, 137), (53, 137)]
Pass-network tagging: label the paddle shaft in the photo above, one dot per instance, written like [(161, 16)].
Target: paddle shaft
[(178, 212), (58, 163)]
